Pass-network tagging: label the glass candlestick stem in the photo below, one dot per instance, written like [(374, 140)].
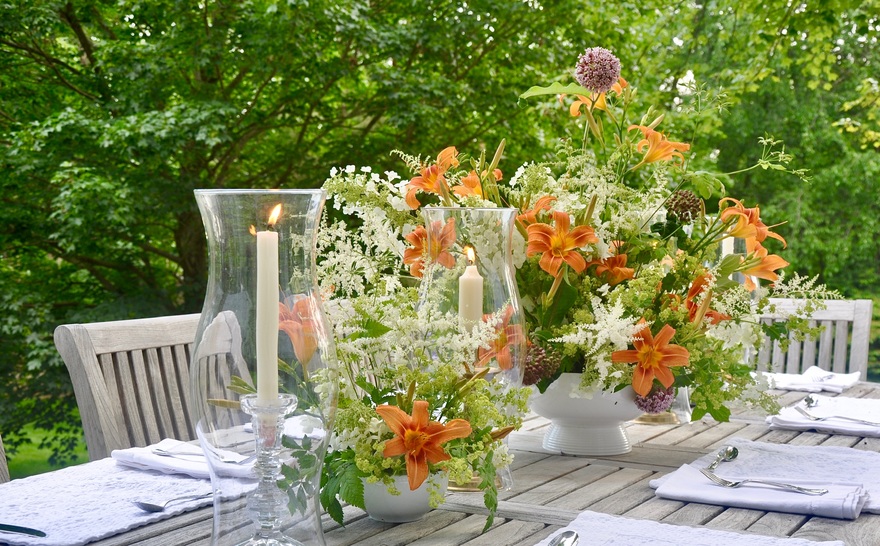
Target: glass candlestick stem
[(267, 503)]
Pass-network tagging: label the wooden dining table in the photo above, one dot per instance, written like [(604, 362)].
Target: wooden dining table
[(549, 490)]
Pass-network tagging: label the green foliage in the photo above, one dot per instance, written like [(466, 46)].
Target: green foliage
[(111, 113), (341, 481)]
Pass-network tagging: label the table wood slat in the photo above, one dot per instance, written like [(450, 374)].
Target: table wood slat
[(550, 489)]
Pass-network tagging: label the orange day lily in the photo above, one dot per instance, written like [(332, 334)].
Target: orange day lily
[(531, 216), (653, 357), (614, 269), (658, 147), (419, 439), (765, 268), (698, 286), (432, 179), (470, 185), (508, 337), (298, 323), (442, 238), (596, 101), (559, 245), (748, 224)]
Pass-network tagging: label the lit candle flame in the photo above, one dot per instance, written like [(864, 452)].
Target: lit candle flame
[(471, 256), (273, 216)]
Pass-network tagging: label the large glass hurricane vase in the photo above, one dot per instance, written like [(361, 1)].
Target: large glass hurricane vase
[(263, 366)]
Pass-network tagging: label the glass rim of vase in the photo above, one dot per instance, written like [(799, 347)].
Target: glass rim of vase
[(477, 209), (232, 191)]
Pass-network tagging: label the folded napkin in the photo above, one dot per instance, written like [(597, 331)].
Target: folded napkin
[(188, 460), (81, 504), (843, 501), (814, 379), (788, 463), (600, 529), (857, 408)]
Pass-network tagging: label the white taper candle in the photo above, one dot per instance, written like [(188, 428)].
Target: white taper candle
[(267, 314)]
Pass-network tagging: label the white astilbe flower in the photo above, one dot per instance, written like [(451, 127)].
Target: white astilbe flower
[(745, 333), (611, 330), (502, 457), (798, 286)]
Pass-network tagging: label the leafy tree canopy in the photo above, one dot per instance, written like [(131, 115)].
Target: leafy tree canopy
[(113, 111)]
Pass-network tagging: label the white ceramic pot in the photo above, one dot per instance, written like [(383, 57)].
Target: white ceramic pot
[(585, 426), (408, 506)]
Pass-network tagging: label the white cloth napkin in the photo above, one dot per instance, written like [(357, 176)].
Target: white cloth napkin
[(785, 462), (602, 529), (858, 408), (843, 501), (81, 504), (814, 379), (189, 461)]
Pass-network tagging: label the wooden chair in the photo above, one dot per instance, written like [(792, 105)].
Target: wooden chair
[(4, 468), (131, 379), (842, 345)]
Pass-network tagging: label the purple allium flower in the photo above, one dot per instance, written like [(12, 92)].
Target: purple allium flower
[(657, 401), (597, 69), (541, 363)]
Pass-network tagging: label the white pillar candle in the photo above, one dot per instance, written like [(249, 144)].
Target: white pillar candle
[(470, 294), (267, 314)]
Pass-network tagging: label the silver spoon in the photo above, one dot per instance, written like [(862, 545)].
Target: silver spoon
[(150, 507), (725, 454), (568, 538)]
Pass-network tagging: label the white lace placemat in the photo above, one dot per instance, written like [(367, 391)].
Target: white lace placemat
[(81, 504), (782, 461), (598, 529)]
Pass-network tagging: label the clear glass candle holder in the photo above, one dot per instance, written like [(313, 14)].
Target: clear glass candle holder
[(262, 373), (472, 274)]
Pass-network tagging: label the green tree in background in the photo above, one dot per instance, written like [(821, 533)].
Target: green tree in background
[(112, 112)]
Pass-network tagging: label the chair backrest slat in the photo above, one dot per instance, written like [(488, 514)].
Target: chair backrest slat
[(131, 379), (4, 468), (842, 345)]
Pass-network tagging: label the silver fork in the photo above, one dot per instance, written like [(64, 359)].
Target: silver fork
[(199, 456), (730, 483), (812, 417)]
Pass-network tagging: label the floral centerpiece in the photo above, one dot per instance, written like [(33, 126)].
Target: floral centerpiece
[(625, 274), (624, 278), (419, 396)]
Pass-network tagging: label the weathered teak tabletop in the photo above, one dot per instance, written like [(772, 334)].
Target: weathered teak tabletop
[(550, 490)]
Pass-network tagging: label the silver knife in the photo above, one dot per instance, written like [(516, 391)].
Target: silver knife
[(23, 530)]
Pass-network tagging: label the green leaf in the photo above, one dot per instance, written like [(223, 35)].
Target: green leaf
[(706, 184), (351, 487), (720, 413), (241, 386), (776, 331), (370, 328), (729, 264), (556, 88), (341, 480)]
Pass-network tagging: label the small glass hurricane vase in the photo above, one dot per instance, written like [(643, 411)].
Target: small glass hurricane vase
[(473, 276), (262, 367)]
